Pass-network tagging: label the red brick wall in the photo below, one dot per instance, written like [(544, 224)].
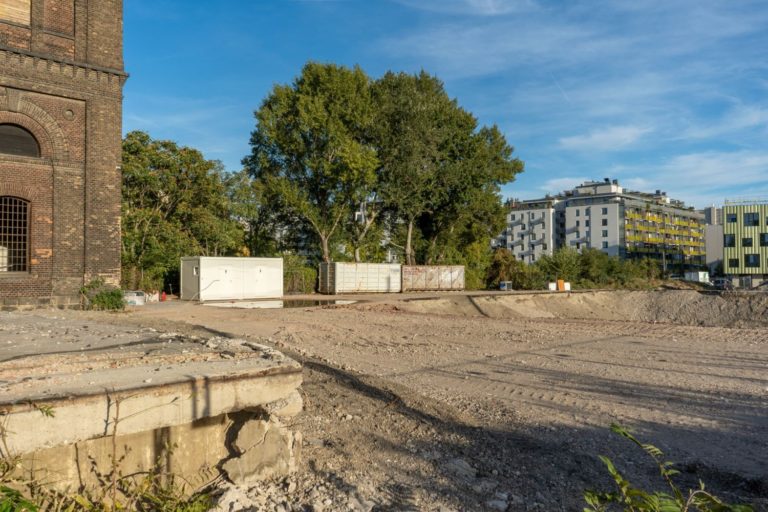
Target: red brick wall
[(62, 80), (31, 180)]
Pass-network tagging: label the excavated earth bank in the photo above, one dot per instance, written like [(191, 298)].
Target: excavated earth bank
[(681, 307)]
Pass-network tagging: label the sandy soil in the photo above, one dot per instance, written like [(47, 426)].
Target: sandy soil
[(503, 402)]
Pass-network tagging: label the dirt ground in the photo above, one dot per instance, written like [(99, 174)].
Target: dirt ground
[(503, 402)]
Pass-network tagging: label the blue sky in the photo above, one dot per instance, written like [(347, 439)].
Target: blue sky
[(660, 94)]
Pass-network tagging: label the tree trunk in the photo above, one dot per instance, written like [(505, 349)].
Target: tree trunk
[(357, 255), (326, 251), (409, 245)]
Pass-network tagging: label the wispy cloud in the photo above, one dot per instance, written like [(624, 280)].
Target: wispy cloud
[(702, 178), (606, 139), (735, 120), (556, 185)]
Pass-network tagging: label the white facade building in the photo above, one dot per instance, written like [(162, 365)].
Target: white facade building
[(530, 231), (603, 215)]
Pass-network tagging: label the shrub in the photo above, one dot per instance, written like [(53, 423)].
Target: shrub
[(632, 499), (101, 296), (298, 275)]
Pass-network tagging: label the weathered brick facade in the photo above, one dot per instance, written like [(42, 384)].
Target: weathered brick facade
[(61, 80)]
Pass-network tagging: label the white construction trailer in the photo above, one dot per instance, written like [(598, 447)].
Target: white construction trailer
[(217, 278)]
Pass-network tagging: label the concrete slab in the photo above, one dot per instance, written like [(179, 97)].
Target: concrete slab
[(107, 378)]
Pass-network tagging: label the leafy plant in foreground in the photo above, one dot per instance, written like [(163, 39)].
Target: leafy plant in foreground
[(633, 499)]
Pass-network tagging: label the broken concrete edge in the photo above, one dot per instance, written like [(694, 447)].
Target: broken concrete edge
[(261, 448), (142, 408), (244, 446)]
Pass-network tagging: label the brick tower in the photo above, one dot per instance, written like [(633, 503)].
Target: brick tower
[(61, 80)]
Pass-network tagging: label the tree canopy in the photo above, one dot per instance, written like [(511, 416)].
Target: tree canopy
[(175, 203), (422, 176), (309, 150)]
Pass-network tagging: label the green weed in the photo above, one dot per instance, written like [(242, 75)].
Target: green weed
[(629, 498)]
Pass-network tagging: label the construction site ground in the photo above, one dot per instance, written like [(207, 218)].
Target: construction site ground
[(504, 401)]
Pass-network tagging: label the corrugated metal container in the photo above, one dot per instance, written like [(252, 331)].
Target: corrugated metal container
[(433, 278), (359, 278), (214, 278)]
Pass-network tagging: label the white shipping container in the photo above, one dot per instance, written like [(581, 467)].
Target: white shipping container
[(433, 277), (359, 278), (218, 278)]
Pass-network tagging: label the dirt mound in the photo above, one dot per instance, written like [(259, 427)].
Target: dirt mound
[(683, 307)]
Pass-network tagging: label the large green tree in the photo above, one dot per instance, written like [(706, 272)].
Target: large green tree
[(310, 152), (440, 175), (175, 203)]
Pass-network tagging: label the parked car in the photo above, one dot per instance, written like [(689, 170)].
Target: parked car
[(722, 283)]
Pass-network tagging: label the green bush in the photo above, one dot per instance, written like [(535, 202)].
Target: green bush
[(101, 296), (633, 499), (298, 275), (587, 269)]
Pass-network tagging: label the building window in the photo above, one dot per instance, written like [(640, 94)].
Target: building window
[(763, 239), (16, 11), (14, 234), (578, 246), (544, 247), (588, 211), (15, 140), (512, 217), (578, 223), (605, 245), (733, 262), (521, 236), (605, 211), (605, 222), (751, 219), (605, 233), (751, 260), (578, 212), (730, 218), (729, 240), (746, 242), (586, 223)]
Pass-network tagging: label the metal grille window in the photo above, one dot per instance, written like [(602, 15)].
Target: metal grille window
[(14, 234)]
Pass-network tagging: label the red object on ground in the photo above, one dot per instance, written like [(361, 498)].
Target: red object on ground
[(163, 297)]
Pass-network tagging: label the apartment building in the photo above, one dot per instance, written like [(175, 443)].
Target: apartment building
[(531, 228), (745, 241), (603, 215)]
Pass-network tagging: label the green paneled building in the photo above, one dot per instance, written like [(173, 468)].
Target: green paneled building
[(745, 241)]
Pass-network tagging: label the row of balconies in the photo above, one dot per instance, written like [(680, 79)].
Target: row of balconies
[(655, 250), (662, 219)]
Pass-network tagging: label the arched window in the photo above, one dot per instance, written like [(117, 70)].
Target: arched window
[(15, 140), (14, 234)]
